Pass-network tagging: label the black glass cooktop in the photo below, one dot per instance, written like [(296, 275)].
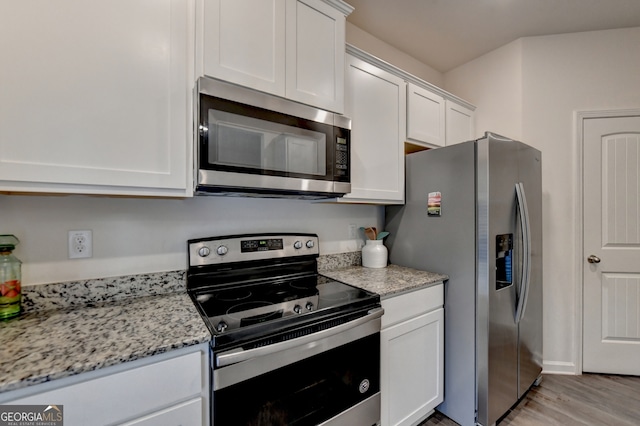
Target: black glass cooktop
[(259, 307), (260, 289)]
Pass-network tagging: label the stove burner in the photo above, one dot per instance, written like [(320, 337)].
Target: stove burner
[(233, 295), (302, 285), (342, 295)]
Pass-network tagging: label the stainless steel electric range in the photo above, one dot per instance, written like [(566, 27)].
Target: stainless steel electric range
[(289, 346)]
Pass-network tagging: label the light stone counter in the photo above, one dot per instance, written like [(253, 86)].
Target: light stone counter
[(76, 327), (72, 328), (386, 282)]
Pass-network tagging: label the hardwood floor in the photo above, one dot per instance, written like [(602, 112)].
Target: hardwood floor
[(589, 399)]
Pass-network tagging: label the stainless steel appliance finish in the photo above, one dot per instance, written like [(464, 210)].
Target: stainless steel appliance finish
[(256, 144), (289, 346), (488, 239), (224, 90)]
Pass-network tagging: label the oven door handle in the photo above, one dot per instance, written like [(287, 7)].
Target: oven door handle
[(236, 355)]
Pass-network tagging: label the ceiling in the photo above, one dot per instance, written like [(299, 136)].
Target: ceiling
[(447, 33)]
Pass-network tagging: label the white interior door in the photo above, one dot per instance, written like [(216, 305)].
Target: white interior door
[(611, 237)]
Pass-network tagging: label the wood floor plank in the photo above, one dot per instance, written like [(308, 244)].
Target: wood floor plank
[(587, 399)]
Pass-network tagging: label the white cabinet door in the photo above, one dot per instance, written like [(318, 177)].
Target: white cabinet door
[(412, 364), (375, 100), (95, 97), (460, 123), (153, 388), (186, 414), (244, 43), (315, 54), (289, 48), (425, 116)]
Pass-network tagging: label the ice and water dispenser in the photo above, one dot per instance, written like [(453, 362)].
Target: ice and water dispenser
[(504, 261)]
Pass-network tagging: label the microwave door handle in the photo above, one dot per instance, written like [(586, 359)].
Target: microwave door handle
[(526, 255)]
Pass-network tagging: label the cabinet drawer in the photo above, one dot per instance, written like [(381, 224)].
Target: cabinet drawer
[(186, 414), (127, 394), (408, 305)]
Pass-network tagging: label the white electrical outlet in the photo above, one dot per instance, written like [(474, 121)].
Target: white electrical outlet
[(80, 244), (353, 231)]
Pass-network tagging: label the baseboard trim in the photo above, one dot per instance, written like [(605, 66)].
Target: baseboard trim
[(559, 367)]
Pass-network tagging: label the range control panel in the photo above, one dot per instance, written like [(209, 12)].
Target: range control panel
[(247, 246), (242, 248)]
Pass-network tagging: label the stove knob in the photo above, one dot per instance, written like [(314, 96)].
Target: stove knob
[(297, 245), (222, 250), (221, 327), (204, 251), (309, 306), (310, 244), (297, 309)]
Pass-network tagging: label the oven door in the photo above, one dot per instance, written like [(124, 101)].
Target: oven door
[(330, 377)]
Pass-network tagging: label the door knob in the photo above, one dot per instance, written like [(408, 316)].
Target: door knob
[(593, 259)]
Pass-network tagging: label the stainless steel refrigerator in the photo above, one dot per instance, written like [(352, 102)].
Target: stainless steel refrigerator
[(473, 211)]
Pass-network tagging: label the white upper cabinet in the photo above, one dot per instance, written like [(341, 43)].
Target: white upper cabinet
[(425, 116), (434, 121), (459, 123), (315, 54), (244, 43), (387, 107), (289, 48), (376, 103), (95, 97)]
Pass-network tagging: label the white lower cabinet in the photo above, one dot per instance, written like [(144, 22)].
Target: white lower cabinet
[(186, 414), (412, 356), (167, 389)]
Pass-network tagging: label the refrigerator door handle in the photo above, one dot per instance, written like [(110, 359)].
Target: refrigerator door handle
[(526, 256)]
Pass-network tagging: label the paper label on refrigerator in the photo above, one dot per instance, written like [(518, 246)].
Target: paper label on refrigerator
[(434, 204)]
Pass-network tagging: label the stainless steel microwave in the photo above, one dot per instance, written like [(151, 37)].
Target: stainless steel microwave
[(252, 143)]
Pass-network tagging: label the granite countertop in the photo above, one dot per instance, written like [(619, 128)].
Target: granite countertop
[(43, 345), (387, 282), (76, 327)]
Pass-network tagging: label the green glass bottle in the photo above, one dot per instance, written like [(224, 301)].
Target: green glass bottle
[(10, 278)]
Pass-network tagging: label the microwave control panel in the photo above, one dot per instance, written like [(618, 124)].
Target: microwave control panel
[(341, 156)]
